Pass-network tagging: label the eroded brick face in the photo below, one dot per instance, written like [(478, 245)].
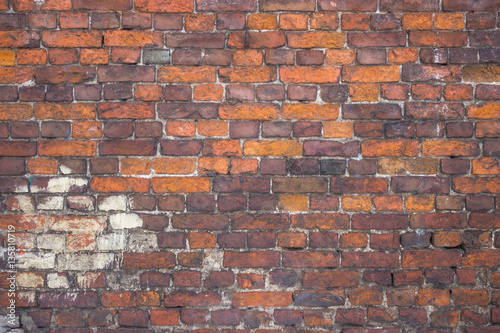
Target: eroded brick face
[(260, 166)]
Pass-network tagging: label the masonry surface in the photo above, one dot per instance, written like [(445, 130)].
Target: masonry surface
[(250, 166)]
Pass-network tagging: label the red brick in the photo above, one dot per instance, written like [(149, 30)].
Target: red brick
[(430, 258)]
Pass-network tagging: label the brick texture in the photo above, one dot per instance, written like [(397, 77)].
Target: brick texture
[(253, 166)]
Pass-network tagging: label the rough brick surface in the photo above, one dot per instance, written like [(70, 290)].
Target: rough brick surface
[(250, 166)]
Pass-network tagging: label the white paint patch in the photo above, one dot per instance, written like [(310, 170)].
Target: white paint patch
[(84, 202), (84, 262), (125, 221), (65, 170), (21, 189), (112, 242), (51, 203), (25, 204), (29, 280), (51, 241), (36, 260), (29, 83), (213, 260), (39, 3), (115, 202), (57, 281), (85, 280), (140, 242), (60, 185)]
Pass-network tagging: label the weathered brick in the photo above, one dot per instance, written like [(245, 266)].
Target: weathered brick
[(430, 258)]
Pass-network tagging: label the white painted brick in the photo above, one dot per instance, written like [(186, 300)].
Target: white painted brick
[(57, 281), (141, 242), (125, 221), (60, 185), (50, 203), (111, 242), (82, 262), (29, 280), (36, 260), (51, 241), (115, 202)]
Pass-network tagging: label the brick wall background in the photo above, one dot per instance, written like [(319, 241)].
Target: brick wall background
[(251, 166)]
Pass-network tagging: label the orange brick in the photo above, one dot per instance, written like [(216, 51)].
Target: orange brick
[(309, 75), (391, 148), (142, 166), (356, 203), (266, 299), (484, 111), (449, 21), (449, 148), (43, 166), (212, 128), (295, 240), (208, 92), (447, 238), (240, 166), (247, 75), (310, 111), (333, 129), (199, 22), (15, 112), (202, 240), (485, 166), (162, 317), (74, 20), (219, 165), (247, 58), (11, 75), (390, 203), (403, 55), (86, 129), (72, 38), (364, 92), (119, 184), (222, 148), (127, 38), (294, 21), (187, 74), (419, 203), (64, 111), (366, 296), (160, 6), (316, 39), (180, 128), (417, 21), (293, 202), (353, 240), (370, 74), (181, 184), (339, 57), (324, 21), (67, 148), (7, 57), (436, 297), (148, 92), (31, 57), (262, 22), (355, 22), (391, 166), (94, 56), (272, 148), (249, 111)]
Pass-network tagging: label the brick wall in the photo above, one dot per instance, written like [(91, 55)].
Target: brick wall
[(251, 165)]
